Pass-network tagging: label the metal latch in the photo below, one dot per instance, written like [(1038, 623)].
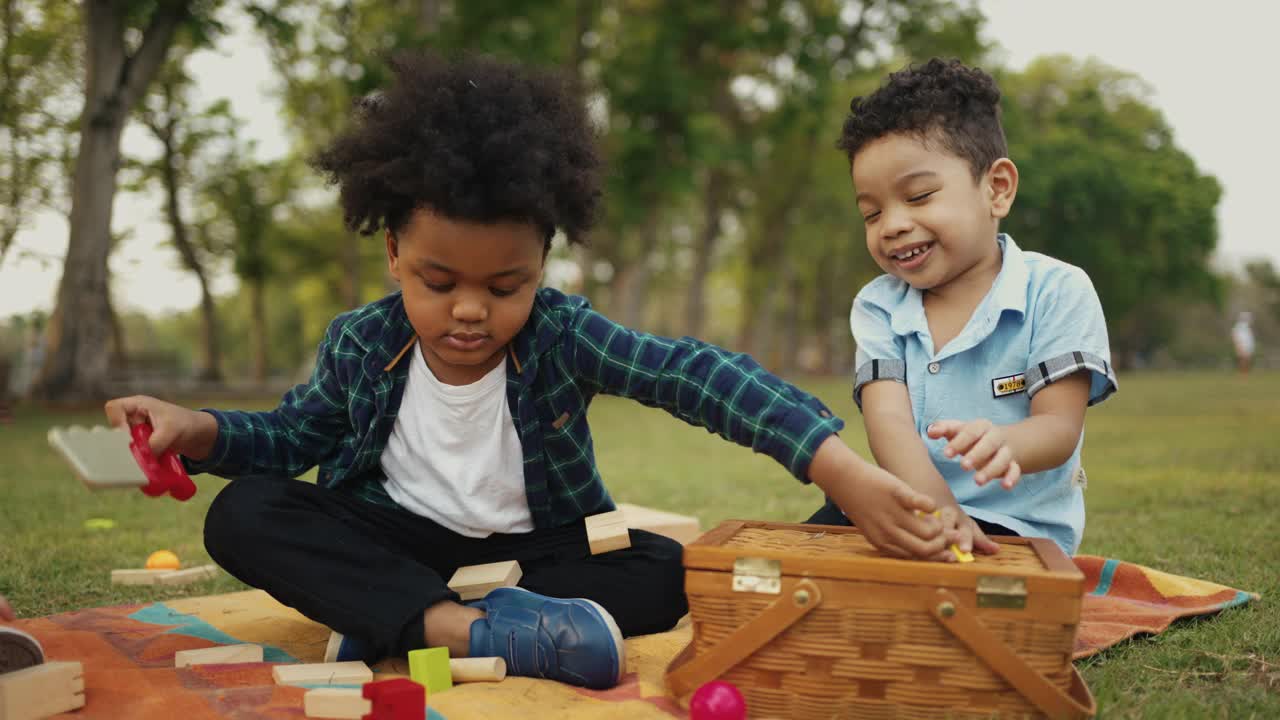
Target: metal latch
[(757, 575), (1002, 591)]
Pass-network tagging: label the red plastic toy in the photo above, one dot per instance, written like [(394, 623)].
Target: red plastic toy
[(396, 699), (717, 700), (164, 474)]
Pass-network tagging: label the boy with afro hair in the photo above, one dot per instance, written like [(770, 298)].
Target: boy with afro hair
[(975, 359), (449, 419)]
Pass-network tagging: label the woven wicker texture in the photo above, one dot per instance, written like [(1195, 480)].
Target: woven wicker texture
[(825, 545), (889, 662)]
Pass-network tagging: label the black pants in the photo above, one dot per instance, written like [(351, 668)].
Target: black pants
[(369, 571), (829, 514)]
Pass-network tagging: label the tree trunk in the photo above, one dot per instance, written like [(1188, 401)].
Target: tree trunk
[(704, 250), (77, 366), (789, 320), (632, 283), (211, 360), (258, 311)]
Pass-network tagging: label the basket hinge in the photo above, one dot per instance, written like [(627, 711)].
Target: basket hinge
[(757, 575), (1002, 591)]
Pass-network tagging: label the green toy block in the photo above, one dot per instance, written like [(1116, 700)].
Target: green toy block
[(429, 667)]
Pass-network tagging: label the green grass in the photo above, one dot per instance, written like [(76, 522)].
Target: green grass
[(1184, 473)]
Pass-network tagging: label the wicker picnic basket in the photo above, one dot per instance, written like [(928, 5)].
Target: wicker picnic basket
[(810, 622)]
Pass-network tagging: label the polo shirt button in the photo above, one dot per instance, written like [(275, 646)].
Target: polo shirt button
[(934, 368), (824, 413)]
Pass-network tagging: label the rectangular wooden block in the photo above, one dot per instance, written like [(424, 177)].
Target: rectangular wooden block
[(478, 669), (336, 703), (41, 691), (141, 576), (681, 528), (475, 581), (189, 575), (99, 456), (137, 576), (353, 672), (245, 653), (607, 532)]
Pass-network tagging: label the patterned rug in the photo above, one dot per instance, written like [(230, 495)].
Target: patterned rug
[(128, 652)]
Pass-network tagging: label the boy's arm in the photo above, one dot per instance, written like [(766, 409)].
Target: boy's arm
[(1069, 370), (891, 432), (725, 392), (1043, 441)]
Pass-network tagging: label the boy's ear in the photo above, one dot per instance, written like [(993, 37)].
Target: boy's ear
[(1002, 187), (393, 255)]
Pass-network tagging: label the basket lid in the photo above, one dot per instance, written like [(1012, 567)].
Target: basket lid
[(844, 553)]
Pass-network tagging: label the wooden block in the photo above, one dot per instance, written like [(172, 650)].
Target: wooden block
[(99, 456), (475, 581), (188, 576), (481, 669), (338, 703), (332, 647), (138, 576), (245, 653), (429, 667), (352, 672), (607, 532), (683, 529), (41, 691)]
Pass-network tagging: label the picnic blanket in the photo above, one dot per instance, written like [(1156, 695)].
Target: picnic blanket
[(128, 652)]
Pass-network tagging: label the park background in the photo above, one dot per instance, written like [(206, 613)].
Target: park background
[(205, 267)]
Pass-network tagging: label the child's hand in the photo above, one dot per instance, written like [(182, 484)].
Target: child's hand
[(892, 516), (964, 533), (6, 611), (983, 446), (186, 432)]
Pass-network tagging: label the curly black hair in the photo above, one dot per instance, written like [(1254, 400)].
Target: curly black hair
[(472, 138), (942, 100)]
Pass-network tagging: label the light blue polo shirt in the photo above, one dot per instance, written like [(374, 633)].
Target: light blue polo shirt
[(1040, 322)]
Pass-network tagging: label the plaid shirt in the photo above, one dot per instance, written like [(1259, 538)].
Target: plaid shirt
[(565, 354)]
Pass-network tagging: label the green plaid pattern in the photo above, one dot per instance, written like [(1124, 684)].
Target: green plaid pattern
[(563, 357)]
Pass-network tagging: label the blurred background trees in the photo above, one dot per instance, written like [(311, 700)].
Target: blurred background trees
[(728, 212)]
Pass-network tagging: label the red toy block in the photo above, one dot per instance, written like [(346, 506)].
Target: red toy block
[(396, 699), (165, 474)]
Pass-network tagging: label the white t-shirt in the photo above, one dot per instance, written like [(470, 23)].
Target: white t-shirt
[(454, 456)]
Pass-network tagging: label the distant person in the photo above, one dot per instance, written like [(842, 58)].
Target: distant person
[(975, 358), (1243, 341)]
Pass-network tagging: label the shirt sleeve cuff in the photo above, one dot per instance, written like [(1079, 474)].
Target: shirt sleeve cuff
[(872, 370), (217, 455), (1102, 376)]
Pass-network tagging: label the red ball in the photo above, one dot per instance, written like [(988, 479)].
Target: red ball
[(717, 700)]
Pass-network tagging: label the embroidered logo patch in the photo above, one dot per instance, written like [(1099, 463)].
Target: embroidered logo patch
[(1008, 385)]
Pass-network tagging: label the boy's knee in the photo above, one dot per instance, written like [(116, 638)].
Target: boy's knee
[(233, 518)]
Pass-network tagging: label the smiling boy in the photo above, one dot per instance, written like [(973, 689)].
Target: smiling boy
[(975, 359)]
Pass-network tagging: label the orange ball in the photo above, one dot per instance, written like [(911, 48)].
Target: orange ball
[(163, 560)]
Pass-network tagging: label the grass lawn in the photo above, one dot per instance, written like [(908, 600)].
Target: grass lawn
[(1184, 474)]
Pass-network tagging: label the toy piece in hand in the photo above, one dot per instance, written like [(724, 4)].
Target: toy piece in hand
[(107, 458)]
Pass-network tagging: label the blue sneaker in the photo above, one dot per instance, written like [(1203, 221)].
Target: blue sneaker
[(573, 641)]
